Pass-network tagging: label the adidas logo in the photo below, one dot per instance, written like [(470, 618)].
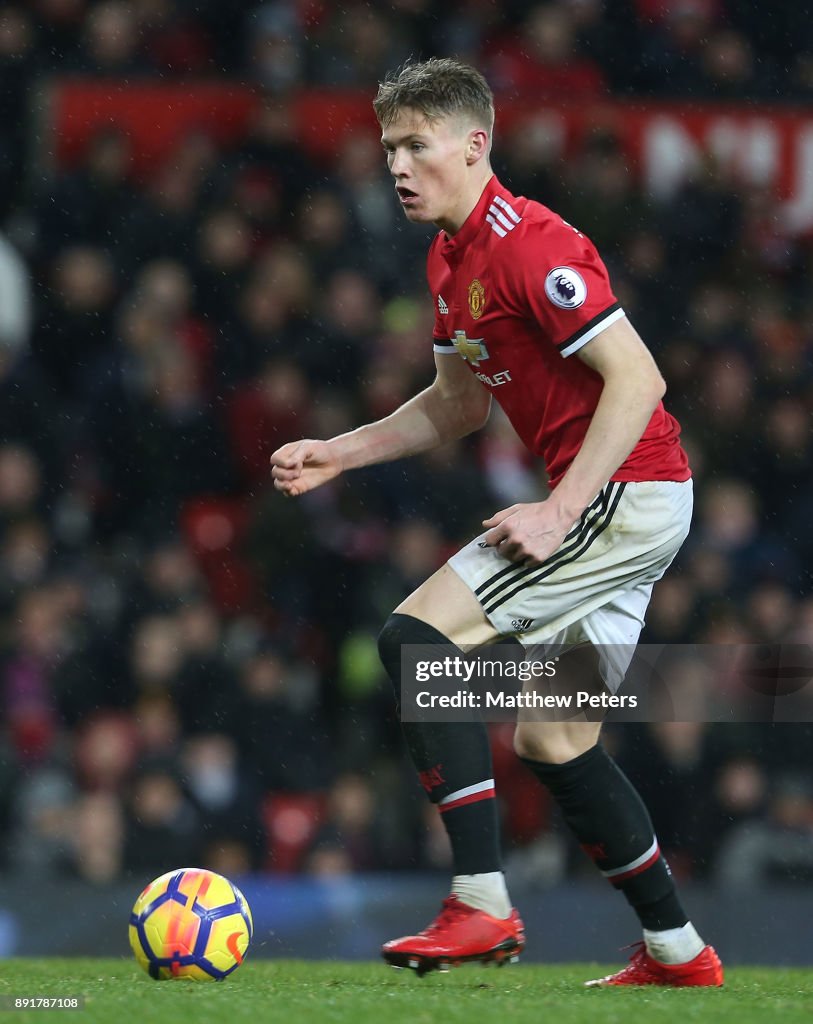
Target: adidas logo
[(502, 217), (443, 309)]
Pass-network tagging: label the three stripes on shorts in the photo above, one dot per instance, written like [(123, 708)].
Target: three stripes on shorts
[(595, 519)]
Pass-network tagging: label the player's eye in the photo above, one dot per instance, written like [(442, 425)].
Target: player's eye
[(416, 147)]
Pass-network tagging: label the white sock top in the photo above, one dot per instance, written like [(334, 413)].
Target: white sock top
[(674, 945), (486, 892)]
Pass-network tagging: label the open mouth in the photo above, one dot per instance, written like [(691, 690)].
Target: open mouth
[(405, 194)]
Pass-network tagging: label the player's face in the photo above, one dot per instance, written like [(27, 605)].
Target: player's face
[(428, 163)]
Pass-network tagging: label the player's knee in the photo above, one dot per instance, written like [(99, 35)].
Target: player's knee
[(400, 630), (531, 744), (551, 742)]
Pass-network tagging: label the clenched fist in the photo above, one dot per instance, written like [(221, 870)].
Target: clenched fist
[(300, 466)]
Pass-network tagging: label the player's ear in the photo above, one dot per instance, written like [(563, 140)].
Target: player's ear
[(477, 145)]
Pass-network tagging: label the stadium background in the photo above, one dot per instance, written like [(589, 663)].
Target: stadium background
[(200, 259)]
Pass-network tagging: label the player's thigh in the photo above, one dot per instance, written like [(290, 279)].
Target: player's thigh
[(447, 603)]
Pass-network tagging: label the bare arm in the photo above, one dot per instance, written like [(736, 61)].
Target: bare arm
[(454, 405), (633, 386)]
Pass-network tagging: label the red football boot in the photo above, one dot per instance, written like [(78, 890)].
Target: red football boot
[(459, 934), (704, 970)]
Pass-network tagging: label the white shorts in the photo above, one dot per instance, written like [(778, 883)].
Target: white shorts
[(596, 587)]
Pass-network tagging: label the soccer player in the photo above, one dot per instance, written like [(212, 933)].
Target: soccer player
[(524, 313)]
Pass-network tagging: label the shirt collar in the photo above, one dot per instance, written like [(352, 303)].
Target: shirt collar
[(475, 220)]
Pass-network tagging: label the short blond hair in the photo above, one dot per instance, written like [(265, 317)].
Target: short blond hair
[(436, 88)]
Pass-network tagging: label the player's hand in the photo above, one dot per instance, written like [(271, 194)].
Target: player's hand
[(527, 533), (299, 466)]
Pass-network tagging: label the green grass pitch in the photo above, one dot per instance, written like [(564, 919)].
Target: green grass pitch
[(118, 992)]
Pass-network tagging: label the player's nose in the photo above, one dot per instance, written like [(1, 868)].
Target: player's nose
[(398, 165)]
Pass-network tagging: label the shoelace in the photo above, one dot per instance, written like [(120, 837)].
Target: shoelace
[(451, 910), (638, 964)]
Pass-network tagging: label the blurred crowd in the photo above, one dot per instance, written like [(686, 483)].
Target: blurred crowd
[(188, 671)]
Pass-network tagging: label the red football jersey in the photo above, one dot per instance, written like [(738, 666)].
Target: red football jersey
[(517, 292)]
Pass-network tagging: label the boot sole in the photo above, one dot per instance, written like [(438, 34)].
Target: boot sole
[(505, 953)]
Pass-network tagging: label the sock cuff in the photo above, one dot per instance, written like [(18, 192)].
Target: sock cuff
[(406, 629), (399, 630), (546, 771)]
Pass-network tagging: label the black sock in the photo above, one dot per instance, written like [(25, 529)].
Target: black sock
[(613, 826), (453, 760)]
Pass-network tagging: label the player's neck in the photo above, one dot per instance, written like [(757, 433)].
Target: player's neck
[(456, 217)]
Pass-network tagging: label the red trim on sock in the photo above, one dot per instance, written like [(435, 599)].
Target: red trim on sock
[(637, 871), (472, 798)]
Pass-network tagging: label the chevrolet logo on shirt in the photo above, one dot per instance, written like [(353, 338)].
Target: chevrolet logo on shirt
[(471, 349)]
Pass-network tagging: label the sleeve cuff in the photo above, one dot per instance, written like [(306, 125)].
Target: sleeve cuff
[(590, 330)]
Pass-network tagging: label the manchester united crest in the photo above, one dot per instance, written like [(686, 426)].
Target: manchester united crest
[(477, 299)]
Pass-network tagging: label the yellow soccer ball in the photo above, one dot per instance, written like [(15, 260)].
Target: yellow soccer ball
[(190, 923)]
